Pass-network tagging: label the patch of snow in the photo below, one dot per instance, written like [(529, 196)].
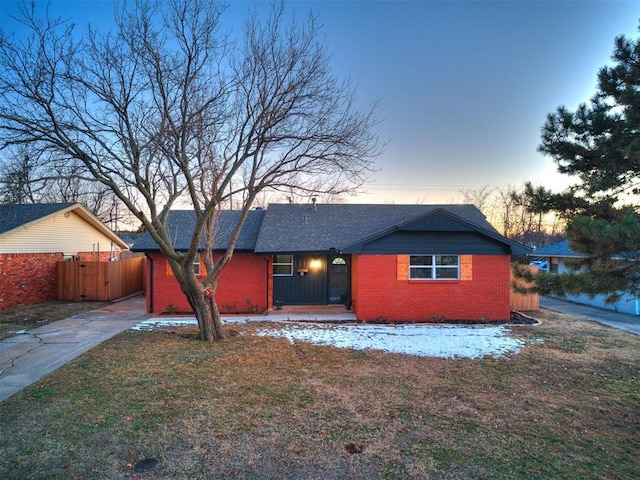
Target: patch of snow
[(442, 341), (152, 323)]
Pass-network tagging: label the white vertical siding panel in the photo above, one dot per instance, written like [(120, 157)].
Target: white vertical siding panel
[(66, 233)]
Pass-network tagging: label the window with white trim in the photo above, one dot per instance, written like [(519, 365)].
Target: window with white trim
[(196, 265), (282, 265), (434, 267)]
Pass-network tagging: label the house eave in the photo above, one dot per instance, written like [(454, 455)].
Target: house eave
[(84, 214)]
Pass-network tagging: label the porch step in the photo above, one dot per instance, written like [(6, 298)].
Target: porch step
[(312, 313)]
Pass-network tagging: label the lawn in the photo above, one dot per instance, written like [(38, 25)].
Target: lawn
[(27, 317), (567, 406)]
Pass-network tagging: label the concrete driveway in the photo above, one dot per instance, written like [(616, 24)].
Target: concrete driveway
[(630, 323), (26, 358)]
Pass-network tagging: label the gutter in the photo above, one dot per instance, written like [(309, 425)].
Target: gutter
[(150, 292), (266, 274)]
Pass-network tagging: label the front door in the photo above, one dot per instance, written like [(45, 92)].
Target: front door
[(339, 279), (300, 280)]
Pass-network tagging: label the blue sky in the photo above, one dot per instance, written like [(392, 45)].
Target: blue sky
[(464, 86)]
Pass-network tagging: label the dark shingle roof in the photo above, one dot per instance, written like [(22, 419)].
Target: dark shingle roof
[(181, 224), (560, 249), (14, 215), (322, 227), (129, 237), (293, 228)]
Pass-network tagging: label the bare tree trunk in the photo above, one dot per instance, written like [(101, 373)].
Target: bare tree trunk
[(203, 303)]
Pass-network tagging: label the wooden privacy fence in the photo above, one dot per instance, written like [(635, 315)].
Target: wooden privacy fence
[(524, 301), (100, 281)]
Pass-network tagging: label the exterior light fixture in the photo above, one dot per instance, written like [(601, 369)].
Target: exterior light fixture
[(315, 264)]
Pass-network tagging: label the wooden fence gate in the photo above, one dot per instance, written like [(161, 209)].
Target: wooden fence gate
[(100, 281), (524, 301)]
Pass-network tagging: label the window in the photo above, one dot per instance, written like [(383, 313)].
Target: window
[(282, 265), (339, 265), (198, 267), (434, 267)]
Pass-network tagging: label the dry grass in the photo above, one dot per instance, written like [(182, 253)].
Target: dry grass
[(27, 317), (256, 407)]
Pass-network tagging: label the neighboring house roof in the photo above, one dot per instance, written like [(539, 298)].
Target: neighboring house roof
[(560, 249), (181, 224), (294, 228), (14, 215), (18, 216)]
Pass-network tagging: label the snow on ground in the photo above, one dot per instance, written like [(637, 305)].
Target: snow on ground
[(155, 322), (442, 341)]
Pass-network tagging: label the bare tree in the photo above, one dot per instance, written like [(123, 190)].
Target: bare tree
[(518, 212), (509, 211), (480, 197), (26, 178), (166, 110), (16, 179), (525, 218), (484, 199)]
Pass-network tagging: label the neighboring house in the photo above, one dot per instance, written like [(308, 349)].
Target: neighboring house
[(558, 255), (390, 262), (554, 256), (34, 237)]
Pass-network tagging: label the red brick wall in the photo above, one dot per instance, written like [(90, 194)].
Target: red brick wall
[(28, 278), (96, 256), (379, 295), (242, 287)]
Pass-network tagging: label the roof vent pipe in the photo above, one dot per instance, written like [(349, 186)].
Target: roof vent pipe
[(313, 200)]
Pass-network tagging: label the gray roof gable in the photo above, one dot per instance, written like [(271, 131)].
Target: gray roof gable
[(181, 224), (325, 227), (14, 215)]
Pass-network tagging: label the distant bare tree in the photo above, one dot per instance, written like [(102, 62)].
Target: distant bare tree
[(483, 198), (16, 179), (480, 197), (25, 178), (165, 110), (520, 213), (526, 217)]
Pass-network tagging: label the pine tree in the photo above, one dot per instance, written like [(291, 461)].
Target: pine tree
[(599, 144)]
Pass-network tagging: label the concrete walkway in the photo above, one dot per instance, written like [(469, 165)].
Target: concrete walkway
[(28, 357), (631, 323)]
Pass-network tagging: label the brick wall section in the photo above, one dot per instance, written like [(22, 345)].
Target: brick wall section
[(28, 278), (242, 287), (96, 256), (379, 295)]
